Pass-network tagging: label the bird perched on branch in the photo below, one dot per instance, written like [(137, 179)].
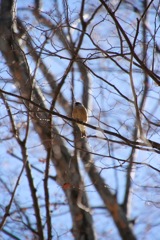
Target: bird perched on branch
[(80, 113)]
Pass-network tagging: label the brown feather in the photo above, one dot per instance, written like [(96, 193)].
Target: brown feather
[(80, 113)]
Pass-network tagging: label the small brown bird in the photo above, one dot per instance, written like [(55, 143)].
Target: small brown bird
[(80, 113)]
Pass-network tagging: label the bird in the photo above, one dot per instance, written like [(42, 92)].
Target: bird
[(80, 113)]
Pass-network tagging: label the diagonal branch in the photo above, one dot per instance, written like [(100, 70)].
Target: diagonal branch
[(108, 198), (155, 77), (15, 58)]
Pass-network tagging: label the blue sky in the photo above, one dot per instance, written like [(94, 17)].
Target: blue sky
[(107, 109)]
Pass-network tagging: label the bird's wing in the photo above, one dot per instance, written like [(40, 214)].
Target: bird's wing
[(80, 114)]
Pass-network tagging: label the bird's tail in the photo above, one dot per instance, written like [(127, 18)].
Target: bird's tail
[(83, 134), (83, 131)]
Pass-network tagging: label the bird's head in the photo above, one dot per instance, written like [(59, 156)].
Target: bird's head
[(78, 104)]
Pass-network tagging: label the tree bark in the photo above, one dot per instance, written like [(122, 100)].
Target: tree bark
[(18, 66)]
